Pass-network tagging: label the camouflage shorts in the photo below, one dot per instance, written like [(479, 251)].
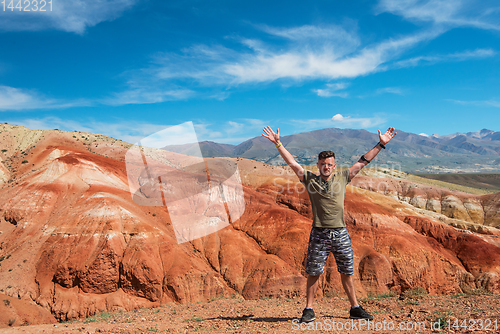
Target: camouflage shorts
[(324, 241)]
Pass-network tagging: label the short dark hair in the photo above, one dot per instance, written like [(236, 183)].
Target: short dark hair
[(325, 155)]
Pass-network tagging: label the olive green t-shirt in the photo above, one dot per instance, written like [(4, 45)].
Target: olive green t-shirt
[(327, 198)]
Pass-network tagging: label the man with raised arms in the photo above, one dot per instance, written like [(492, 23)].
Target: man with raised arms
[(329, 234)]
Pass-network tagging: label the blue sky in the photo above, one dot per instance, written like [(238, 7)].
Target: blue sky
[(129, 68)]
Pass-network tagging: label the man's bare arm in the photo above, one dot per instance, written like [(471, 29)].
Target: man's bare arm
[(370, 155), (274, 137)]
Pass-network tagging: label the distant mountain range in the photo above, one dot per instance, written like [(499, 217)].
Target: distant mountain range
[(470, 152)]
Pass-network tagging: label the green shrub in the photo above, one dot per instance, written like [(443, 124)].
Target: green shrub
[(415, 292)]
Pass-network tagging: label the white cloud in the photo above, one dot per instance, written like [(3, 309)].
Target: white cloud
[(334, 52), (337, 40), (235, 127), (491, 103), (306, 53), (307, 64), (68, 15), (458, 56), (199, 62), (297, 54), (307, 32), (21, 99), (339, 118), (484, 103), (145, 95), (451, 13), (478, 53), (338, 121), (173, 135), (422, 10), (332, 90)]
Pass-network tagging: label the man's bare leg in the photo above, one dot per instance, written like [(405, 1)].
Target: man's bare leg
[(348, 284), (312, 286), (358, 312)]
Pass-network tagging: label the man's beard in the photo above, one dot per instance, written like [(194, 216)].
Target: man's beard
[(324, 174)]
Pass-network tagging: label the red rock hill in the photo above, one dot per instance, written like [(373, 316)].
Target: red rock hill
[(73, 241)]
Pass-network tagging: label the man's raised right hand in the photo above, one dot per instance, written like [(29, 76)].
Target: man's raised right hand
[(274, 137)]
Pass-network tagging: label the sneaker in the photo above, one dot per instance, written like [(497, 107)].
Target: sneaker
[(359, 313), (308, 315)]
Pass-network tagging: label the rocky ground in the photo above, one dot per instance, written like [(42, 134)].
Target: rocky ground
[(415, 312)]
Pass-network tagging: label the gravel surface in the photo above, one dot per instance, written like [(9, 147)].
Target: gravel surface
[(414, 312)]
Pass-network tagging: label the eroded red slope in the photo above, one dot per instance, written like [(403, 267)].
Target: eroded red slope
[(73, 241)]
